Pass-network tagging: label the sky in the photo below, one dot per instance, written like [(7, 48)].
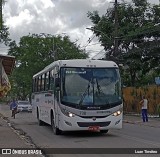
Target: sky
[(55, 17)]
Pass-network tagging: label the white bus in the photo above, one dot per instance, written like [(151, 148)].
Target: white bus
[(78, 94)]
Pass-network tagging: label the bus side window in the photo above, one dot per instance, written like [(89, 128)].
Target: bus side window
[(43, 82), (33, 85), (36, 84), (51, 80), (39, 83), (57, 82), (47, 82)]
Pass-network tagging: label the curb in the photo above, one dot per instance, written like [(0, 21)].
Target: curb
[(141, 123), (131, 122)]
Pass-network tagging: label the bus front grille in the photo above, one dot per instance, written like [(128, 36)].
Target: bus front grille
[(88, 124)]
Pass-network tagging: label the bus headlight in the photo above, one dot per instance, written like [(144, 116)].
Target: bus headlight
[(67, 113), (70, 114), (117, 113)]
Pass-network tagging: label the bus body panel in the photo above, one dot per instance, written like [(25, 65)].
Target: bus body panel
[(44, 106)]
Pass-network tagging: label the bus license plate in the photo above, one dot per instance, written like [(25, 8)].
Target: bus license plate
[(93, 128)]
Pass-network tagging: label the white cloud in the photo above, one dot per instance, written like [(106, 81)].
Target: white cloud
[(52, 17), (47, 3), (17, 21)]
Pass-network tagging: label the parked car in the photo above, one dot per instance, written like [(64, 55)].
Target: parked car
[(24, 106)]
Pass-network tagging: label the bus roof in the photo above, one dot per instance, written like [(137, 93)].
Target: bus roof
[(79, 63)]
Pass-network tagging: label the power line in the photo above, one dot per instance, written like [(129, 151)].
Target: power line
[(99, 53), (94, 44), (91, 45), (89, 40)]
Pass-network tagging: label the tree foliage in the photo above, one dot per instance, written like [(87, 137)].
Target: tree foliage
[(139, 32), (33, 53), (4, 33), (4, 36)]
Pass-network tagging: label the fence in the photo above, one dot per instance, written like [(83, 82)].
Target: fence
[(133, 95)]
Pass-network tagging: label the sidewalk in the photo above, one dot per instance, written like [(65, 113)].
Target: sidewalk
[(12, 138), (137, 119)]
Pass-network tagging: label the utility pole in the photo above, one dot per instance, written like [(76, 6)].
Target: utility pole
[(115, 53), (1, 17), (54, 52)]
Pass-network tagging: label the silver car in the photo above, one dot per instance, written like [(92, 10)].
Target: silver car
[(24, 106)]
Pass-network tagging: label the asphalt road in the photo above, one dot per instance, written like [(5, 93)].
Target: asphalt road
[(131, 136)]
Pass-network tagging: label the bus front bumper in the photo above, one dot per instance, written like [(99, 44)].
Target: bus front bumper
[(77, 123)]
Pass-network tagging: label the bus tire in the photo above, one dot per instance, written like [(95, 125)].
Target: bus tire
[(40, 123), (103, 131), (56, 130)]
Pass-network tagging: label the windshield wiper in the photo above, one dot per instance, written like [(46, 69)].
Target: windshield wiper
[(99, 87), (101, 92), (85, 93)]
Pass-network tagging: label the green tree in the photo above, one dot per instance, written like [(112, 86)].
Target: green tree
[(33, 53), (4, 33), (139, 32), (4, 36)]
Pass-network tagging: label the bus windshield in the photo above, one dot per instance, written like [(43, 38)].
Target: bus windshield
[(90, 87)]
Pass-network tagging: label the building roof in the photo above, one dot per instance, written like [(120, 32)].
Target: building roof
[(8, 63)]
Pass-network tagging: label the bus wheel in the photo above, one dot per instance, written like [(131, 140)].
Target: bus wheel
[(56, 131), (40, 123), (103, 131)]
